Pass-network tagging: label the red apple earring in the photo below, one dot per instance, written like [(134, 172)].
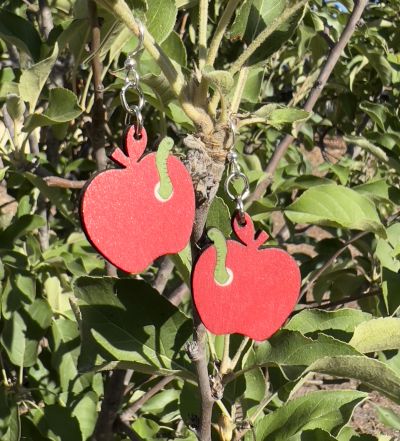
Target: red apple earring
[(145, 209), (238, 287)]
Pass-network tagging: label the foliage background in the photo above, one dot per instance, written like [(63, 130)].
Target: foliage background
[(333, 203)]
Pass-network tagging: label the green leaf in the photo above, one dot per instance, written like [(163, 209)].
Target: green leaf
[(5, 409), (287, 116), (262, 14), (15, 107), (372, 373), (380, 64), (138, 327), (219, 79), (327, 410), (219, 217), (239, 25), (14, 429), (22, 226), (19, 32), (175, 49), (65, 352), (58, 423), (388, 417), (63, 107), (293, 351), (33, 79), (58, 301), (183, 263), (86, 413), (312, 320), (252, 88), (377, 112), (335, 206), (3, 172), (161, 18), (57, 196), (367, 145), (380, 334)]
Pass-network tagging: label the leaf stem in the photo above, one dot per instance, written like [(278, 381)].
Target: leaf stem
[(221, 30), (236, 357), (226, 361), (240, 85), (262, 36), (203, 18)]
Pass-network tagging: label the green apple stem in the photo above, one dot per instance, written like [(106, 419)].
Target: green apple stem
[(165, 190), (221, 275)]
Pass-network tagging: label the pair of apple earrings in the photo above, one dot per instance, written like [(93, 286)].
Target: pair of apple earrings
[(135, 214)]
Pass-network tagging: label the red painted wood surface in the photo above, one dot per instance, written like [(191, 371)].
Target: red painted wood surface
[(261, 294), (122, 217)]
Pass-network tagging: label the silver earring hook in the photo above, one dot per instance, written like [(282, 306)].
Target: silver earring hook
[(232, 126), (140, 43), (132, 79)]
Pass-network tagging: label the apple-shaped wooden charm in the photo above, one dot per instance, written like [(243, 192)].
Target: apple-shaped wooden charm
[(139, 212), (239, 288)]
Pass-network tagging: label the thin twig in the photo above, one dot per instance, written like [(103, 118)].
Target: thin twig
[(55, 181), (129, 413), (177, 295), (329, 262), (236, 357), (316, 91), (163, 274), (341, 301)]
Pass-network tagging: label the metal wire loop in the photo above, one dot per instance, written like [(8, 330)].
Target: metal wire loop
[(240, 210), (232, 177), (139, 46), (139, 93)]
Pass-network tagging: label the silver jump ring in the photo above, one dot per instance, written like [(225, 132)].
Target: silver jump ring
[(245, 191), (240, 210)]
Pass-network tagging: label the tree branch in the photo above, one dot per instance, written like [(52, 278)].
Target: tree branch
[(176, 296), (55, 181), (163, 274), (126, 429), (329, 262), (114, 390), (129, 413), (98, 130), (316, 91)]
